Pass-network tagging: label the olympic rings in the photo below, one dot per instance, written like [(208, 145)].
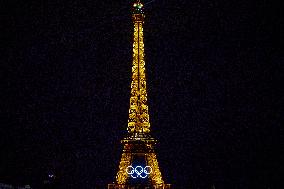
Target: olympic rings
[(136, 172)]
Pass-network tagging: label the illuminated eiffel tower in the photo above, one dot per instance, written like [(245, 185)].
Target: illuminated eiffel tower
[(138, 167)]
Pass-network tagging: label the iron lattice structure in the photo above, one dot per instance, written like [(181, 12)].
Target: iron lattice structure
[(138, 143)]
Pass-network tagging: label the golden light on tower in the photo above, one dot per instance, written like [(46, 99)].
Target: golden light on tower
[(138, 143), (138, 112)]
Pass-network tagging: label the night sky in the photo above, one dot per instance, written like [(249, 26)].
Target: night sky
[(214, 71)]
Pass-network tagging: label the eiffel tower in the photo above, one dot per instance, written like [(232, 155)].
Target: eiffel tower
[(138, 167)]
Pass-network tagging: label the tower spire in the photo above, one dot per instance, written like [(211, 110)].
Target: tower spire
[(138, 121)]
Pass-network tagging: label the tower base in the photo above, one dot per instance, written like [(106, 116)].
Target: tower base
[(125, 186)]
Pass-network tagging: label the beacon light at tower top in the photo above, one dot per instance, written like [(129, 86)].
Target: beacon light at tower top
[(138, 5)]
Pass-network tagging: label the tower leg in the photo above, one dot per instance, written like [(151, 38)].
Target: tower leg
[(155, 176), (125, 161)]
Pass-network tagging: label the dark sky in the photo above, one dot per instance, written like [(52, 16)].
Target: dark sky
[(214, 71)]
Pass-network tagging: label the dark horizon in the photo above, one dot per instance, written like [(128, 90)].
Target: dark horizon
[(214, 76)]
